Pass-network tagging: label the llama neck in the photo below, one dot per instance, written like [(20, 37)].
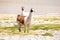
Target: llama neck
[(29, 17), (22, 13)]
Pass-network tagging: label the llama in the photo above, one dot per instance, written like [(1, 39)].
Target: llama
[(21, 19), (27, 21)]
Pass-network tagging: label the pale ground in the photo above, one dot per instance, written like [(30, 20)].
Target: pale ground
[(56, 36)]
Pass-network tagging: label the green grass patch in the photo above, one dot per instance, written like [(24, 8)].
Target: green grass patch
[(47, 34), (46, 27), (14, 30)]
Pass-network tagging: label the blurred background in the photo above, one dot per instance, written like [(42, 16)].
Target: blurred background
[(46, 11)]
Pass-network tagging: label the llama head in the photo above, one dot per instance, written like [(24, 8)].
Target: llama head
[(22, 8), (31, 10)]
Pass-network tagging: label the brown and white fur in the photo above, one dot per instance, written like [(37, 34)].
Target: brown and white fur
[(21, 19)]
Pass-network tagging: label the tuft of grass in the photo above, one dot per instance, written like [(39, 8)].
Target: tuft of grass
[(47, 34), (35, 27)]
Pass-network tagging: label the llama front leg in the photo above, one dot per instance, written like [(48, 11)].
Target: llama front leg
[(19, 26), (27, 28)]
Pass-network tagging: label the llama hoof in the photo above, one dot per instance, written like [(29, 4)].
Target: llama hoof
[(19, 30)]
